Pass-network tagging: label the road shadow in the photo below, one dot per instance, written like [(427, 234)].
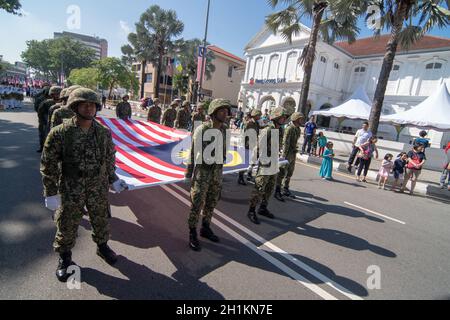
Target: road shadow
[(144, 284)]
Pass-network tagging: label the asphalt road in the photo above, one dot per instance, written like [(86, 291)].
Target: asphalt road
[(337, 240)]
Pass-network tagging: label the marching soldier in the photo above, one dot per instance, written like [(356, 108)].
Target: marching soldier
[(198, 116), (123, 109), (154, 114), (170, 115), (206, 178), (77, 167), (267, 174), (251, 125), (290, 150), (41, 97), (183, 116), (43, 109), (64, 96)]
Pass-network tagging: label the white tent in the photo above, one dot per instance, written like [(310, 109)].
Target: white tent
[(357, 107), (433, 113)]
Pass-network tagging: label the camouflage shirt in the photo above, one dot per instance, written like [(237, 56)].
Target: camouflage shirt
[(290, 141), (196, 159), (169, 117), (53, 109), (154, 114), (266, 135), (199, 117), (59, 116), (182, 120), (251, 125), (74, 156), (43, 109), (123, 111)]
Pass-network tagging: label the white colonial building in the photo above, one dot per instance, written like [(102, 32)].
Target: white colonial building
[(274, 77)]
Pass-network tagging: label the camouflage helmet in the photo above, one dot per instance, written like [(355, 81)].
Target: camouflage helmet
[(186, 104), (174, 104), (200, 105), (218, 104), (65, 93), (82, 95), (296, 116), (277, 113), (156, 101), (55, 90), (256, 113)]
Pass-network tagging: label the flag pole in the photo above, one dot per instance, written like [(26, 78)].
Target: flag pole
[(200, 87)]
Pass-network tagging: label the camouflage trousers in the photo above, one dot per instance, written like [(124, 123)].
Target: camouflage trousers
[(286, 173), (205, 193), (264, 187), (69, 216)]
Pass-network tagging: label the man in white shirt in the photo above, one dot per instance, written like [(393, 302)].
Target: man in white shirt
[(362, 136)]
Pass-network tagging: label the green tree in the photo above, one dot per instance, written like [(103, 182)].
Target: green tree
[(407, 21), (153, 40), (51, 57), (333, 20), (181, 83), (11, 6), (187, 53), (113, 73), (86, 77)]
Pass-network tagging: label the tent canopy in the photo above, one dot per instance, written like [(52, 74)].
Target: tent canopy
[(433, 113), (357, 107)]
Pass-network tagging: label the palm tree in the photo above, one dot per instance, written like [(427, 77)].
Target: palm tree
[(187, 54), (408, 21), (334, 20), (153, 40), (181, 83)]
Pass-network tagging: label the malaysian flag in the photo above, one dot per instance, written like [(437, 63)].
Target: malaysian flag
[(149, 154)]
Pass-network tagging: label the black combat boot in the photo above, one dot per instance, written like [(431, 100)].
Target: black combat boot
[(105, 252), (65, 261), (263, 211), (288, 193), (207, 233), (278, 195), (193, 240), (241, 180), (252, 216)]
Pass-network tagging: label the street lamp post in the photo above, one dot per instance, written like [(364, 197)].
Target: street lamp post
[(200, 87)]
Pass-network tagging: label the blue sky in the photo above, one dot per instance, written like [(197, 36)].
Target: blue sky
[(232, 22)]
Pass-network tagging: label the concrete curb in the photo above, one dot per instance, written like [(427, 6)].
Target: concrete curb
[(339, 166)]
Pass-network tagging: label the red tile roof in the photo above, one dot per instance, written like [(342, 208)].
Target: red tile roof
[(225, 53), (377, 46)]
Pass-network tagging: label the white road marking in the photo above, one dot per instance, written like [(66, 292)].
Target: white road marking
[(296, 276), (375, 213), (273, 248)]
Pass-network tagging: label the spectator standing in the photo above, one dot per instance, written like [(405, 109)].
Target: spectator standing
[(416, 161), (362, 136), (446, 172), (365, 156), (310, 131), (326, 170), (399, 169), (322, 140), (386, 167)]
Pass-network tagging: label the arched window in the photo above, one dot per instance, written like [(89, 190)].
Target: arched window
[(321, 70), (358, 77), (258, 68), (431, 78), (435, 65), (273, 67), (394, 77), (291, 66)]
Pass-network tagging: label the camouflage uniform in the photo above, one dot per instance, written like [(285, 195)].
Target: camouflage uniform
[(60, 115), (43, 109), (183, 118), (41, 98), (206, 178), (198, 116), (265, 183), (80, 166), (169, 117), (123, 110), (65, 93), (290, 150), (154, 114)]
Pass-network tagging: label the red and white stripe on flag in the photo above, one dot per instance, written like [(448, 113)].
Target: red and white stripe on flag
[(138, 168)]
